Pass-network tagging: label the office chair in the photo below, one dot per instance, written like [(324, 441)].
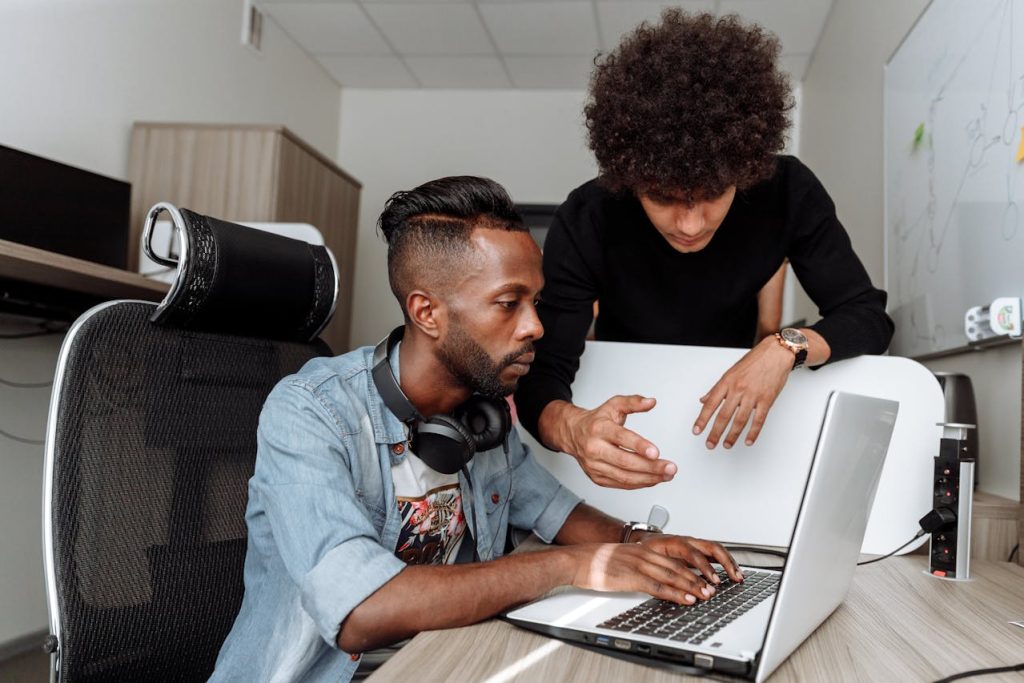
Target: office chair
[(151, 441)]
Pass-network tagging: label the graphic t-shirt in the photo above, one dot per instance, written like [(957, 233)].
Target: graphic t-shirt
[(430, 504)]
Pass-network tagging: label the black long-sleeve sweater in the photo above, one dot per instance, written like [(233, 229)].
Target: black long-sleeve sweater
[(601, 246)]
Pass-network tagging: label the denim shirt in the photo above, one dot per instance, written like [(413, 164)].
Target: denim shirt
[(323, 520)]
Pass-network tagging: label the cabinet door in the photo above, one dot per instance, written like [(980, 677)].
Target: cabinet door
[(222, 172)]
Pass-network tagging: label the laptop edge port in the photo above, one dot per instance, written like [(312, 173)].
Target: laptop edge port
[(704, 661)]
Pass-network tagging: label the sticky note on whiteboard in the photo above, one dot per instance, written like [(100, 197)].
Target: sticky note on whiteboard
[(1020, 150)]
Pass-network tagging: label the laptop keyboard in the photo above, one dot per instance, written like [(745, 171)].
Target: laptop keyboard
[(696, 623)]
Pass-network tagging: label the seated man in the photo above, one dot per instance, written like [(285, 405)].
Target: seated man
[(354, 541)]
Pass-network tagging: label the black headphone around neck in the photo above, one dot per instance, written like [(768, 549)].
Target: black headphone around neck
[(446, 443)]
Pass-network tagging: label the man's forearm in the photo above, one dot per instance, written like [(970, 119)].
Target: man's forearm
[(589, 525), (424, 598)]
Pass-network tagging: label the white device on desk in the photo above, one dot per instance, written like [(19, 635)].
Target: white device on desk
[(753, 641), (756, 488)]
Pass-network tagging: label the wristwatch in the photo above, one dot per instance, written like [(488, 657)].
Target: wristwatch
[(795, 341), (629, 527)]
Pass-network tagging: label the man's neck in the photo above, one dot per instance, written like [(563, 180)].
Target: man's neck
[(428, 384)]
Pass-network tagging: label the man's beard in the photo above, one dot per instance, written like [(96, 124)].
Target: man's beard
[(471, 365)]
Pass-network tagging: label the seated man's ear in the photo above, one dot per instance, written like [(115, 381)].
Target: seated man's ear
[(426, 311)]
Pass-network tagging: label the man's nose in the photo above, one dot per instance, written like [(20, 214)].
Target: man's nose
[(690, 220), (530, 326)]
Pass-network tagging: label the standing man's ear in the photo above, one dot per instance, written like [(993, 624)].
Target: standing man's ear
[(426, 312)]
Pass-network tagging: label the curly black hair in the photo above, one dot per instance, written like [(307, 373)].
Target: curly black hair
[(694, 104)]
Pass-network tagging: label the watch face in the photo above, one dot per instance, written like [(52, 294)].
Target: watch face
[(793, 336)]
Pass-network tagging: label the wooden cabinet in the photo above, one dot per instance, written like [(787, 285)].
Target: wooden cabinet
[(248, 173)]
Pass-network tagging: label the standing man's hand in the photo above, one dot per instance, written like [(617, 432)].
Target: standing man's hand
[(747, 390), (610, 454)]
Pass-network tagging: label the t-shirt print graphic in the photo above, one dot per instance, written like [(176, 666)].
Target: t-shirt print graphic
[(432, 526)]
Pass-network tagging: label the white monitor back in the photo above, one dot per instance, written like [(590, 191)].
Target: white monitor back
[(165, 242), (751, 494)]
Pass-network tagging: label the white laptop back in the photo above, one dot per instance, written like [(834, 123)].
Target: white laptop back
[(831, 523)]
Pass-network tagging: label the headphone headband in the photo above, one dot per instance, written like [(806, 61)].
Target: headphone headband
[(387, 384)]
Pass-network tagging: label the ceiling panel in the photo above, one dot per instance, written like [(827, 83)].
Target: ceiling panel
[(356, 71), (459, 72), (432, 29), (558, 27), (567, 73), (797, 23), (329, 27), (616, 17), (505, 43)]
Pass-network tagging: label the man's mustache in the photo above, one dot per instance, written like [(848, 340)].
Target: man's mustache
[(515, 355)]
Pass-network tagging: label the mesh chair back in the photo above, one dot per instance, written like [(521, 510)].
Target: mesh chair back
[(150, 445)]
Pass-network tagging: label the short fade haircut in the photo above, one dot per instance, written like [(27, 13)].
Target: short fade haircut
[(695, 103), (427, 229)]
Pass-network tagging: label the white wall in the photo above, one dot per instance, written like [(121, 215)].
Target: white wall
[(74, 75), (841, 140), (532, 142), (77, 73)]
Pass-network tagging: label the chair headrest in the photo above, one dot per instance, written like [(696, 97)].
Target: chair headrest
[(238, 280)]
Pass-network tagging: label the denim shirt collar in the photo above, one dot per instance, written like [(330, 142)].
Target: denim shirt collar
[(387, 429)]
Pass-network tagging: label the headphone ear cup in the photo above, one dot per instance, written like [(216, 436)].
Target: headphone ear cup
[(489, 420), (444, 444)]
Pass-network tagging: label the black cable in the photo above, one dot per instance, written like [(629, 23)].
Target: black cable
[(982, 672), (1013, 552), (25, 385), (882, 557), (12, 437)]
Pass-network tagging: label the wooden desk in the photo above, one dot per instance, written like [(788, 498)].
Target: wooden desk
[(897, 624)]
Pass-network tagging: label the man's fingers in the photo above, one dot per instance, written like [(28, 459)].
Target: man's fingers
[(628, 440), (725, 413), (722, 557), (758, 422), (710, 401), (738, 423), (672, 572), (605, 474), (623, 406)]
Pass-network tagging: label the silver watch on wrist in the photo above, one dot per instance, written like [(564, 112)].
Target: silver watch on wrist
[(657, 519)]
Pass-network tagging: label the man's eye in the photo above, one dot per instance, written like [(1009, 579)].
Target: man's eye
[(508, 304)]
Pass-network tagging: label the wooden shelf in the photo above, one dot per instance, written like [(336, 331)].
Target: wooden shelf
[(41, 267)]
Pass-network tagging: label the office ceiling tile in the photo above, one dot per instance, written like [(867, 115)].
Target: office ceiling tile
[(557, 27), (797, 23), (432, 29), (355, 71), (617, 17), (329, 27), (567, 73), (459, 72)]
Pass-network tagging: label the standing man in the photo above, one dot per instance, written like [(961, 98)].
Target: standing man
[(692, 214), (386, 478)]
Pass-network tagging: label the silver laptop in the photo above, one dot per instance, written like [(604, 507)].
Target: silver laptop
[(749, 629)]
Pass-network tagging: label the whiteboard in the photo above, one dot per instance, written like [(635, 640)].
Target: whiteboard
[(751, 494), (954, 109)]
